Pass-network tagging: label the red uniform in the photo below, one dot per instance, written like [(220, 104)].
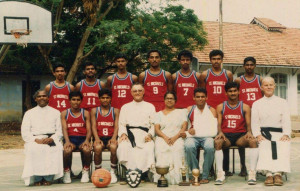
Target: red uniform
[(90, 95), (105, 124), (155, 86), (120, 88), (184, 87), (250, 90), (76, 125), (191, 115), (59, 96), (233, 120), (215, 87)]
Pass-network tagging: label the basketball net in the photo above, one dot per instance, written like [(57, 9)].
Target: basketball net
[(22, 36)]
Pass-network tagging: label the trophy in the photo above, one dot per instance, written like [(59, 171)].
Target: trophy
[(183, 171), (162, 170), (196, 173)]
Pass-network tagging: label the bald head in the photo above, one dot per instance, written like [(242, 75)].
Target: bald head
[(268, 86), (269, 80)]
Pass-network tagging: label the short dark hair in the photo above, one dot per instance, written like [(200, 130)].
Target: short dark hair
[(172, 93), (37, 93), (104, 91), (250, 58), (229, 85), (58, 64), (153, 50), (185, 53), (120, 55), (200, 90), (88, 63), (75, 94), (215, 53)]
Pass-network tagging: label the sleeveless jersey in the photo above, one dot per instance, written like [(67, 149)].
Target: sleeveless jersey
[(120, 88), (90, 95), (233, 120), (215, 87), (155, 86), (184, 87), (59, 96), (76, 125), (105, 124), (191, 115), (250, 90)]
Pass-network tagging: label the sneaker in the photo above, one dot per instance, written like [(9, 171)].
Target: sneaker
[(67, 177), (85, 176), (252, 177), (220, 178), (114, 178)]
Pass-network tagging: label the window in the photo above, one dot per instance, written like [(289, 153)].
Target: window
[(281, 84)]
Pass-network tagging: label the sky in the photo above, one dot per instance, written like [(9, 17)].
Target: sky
[(285, 12)]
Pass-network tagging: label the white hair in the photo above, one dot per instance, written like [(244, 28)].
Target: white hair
[(268, 79)]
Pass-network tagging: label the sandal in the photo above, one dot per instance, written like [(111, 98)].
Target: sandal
[(38, 183), (46, 183)]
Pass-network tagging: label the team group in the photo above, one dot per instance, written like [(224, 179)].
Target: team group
[(162, 118)]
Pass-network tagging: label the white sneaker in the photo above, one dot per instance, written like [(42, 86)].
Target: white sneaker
[(252, 177), (220, 178), (67, 177), (114, 178), (85, 176)]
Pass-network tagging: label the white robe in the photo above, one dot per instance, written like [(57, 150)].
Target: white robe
[(165, 154), (141, 156), (272, 112), (41, 159)]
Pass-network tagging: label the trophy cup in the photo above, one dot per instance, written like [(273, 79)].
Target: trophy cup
[(183, 171), (162, 170), (196, 173)]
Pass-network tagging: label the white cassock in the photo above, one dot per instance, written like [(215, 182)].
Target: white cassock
[(41, 159), (165, 154), (272, 112), (142, 155)]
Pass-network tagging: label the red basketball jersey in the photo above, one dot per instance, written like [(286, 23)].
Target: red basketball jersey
[(120, 88), (233, 120), (215, 87), (184, 87), (90, 95), (105, 124), (76, 125), (191, 116), (155, 86), (250, 90), (59, 96)]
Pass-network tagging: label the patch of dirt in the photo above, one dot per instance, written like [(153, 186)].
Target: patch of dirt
[(10, 136)]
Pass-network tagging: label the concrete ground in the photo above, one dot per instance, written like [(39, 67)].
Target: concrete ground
[(11, 167)]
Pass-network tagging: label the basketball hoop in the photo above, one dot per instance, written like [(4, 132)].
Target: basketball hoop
[(21, 36)]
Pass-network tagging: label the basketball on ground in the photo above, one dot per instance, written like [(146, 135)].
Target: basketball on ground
[(101, 178)]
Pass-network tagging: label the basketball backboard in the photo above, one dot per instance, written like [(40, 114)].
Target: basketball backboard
[(23, 21)]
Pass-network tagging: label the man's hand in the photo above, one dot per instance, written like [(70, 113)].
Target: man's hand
[(148, 138), (183, 135), (112, 141), (39, 141), (284, 138), (47, 141), (85, 145), (192, 131), (123, 138), (173, 140), (68, 146), (166, 139), (249, 136), (98, 142), (220, 136), (260, 138)]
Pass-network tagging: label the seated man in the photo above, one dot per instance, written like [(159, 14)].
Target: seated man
[(203, 127), (136, 129), (41, 131), (105, 130), (234, 129), (271, 125), (77, 135)]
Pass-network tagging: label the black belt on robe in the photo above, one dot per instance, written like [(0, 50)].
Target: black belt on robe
[(265, 131), (130, 134), (49, 135)]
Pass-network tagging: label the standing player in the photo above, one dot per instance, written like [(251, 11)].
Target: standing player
[(120, 83), (185, 80), (77, 135), (105, 121), (89, 87), (59, 89), (249, 83), (234, 129), (156, 81)]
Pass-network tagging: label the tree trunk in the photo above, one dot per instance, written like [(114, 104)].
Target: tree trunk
[(27, 102)]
